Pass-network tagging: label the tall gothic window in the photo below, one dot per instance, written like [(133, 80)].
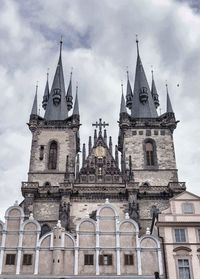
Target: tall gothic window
[(149, 154), (53, 150)]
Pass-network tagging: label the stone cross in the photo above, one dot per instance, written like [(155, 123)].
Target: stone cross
[(100, 124)]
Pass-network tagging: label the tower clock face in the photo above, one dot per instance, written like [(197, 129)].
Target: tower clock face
[(100, 152)]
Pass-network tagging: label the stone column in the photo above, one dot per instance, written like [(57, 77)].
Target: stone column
[(2, 250), (19, 252)]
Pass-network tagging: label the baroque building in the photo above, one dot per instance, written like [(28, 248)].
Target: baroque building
[(95, 215)]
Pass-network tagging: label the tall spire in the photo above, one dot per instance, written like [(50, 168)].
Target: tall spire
[(154, 92), (129, 93), (76, 105), (56, 108), (46, 93), (142, 102), (169, 105), (69, 97), (34, 107)]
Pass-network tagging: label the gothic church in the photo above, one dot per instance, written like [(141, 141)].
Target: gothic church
[(93, 216)]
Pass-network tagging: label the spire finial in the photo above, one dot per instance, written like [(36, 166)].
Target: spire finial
[(48, 74), (152, 72), (127, 72), (61, 45), (166, 85), (122, 87), (71, 72), (137, 43)]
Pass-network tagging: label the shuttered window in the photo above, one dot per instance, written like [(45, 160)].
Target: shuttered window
[(88, 259), (105, 260), (27, 259), (10, 259), (128, 259)]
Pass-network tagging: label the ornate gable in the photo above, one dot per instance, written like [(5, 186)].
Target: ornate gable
[(100, 166)]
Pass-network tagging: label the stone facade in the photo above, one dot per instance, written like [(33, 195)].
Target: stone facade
[(61, 253)]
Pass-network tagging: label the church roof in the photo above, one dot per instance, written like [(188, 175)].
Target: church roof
[(142, 103), (57, 106)]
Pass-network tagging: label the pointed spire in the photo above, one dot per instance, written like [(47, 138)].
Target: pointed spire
[(77, 165), (169, 105), (129, 93), (95, 137), (116, 156), (105, 136), (110, 144), (89, 144), (154, 92), (76, 105), (83, 154), (56, 108), (34, 107), (142, 102), (69, 97), (123, 105), (46, 93)]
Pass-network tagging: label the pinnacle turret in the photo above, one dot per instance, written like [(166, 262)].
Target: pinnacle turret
[(34, 107), (142, 102), (154, 92), (46, 94), (76, 104), (123, 105), (169, 105), (129, 93), (56, 108), (69, 97)]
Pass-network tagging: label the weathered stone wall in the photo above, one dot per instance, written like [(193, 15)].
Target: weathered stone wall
[(38, 171), (164, 170)]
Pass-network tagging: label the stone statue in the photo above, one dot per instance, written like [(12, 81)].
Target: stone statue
[(64, 215)]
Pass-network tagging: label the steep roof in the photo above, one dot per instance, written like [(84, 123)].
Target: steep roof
[(57, 106), (142, 104)]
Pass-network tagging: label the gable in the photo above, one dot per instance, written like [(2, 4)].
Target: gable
[(186, 196)]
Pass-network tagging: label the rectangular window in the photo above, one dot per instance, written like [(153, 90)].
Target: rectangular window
[(128, 259), (27, 259), (105, 259), (184, 269), (180, 235), (88, 259), (188, 208), (10, 259)]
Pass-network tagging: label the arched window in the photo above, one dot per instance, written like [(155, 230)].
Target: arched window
[(53, 150), (149, 149)]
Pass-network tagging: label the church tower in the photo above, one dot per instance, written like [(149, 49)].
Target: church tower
[(146, 145), (55, 144)]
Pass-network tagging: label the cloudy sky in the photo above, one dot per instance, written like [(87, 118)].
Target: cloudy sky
[(99, 43)]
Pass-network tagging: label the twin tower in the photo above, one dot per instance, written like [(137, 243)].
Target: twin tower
[(138, 177)]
